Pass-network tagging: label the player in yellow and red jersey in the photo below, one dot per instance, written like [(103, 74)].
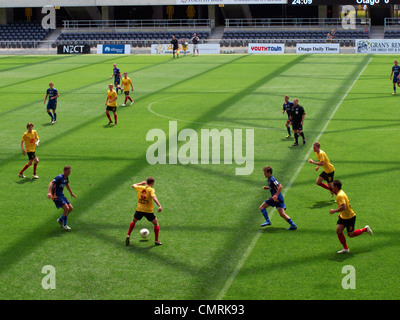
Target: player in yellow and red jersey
[(127, 84), (31, 140), (111, 104), (329, 169), (346, 218), (146, 196)]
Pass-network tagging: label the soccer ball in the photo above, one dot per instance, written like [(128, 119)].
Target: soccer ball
[(144, 233), (186, 43)]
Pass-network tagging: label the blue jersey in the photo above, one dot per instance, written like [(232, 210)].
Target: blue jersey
[(396, 72), (273, 187), (58, 187), (117, 73), (288, 107), (52, 93)]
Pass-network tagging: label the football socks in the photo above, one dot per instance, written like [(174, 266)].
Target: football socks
[(265, 214)]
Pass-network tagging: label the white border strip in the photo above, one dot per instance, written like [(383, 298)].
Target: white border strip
[(253, 243)]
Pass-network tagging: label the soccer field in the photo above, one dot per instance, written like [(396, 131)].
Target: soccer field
[(213, 245)]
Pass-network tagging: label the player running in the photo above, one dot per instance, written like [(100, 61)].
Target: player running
[(346, 218), (394, 76), (31, 140), (146, 196), (287, 107), (56, 193), (127, 84), (117, 77), (329, 170), (276, 200), (53, 94)]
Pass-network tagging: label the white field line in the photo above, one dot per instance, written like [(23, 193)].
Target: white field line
[(253, 243)]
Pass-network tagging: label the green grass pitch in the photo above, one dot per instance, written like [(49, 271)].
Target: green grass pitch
[(213, 246)]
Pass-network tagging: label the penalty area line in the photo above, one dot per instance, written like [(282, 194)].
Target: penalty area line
[(253, 243)]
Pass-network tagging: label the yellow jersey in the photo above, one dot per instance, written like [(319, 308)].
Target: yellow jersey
[(111, 94), (145, 198), (328, 166), (341, 198), (30, 140), (126, 83)]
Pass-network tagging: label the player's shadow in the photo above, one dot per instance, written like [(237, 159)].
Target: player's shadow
[(292, 147), (270, 229), (26, 180), (47, 124), (138, 248), (344, 256), (322, 204)]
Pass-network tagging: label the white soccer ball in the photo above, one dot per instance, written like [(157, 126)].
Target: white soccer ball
[(186, 43), (144, 233)]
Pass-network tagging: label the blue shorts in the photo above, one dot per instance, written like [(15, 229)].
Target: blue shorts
[(52, 106), (61, 201), (117, 80), (395, 80), (278, 204)]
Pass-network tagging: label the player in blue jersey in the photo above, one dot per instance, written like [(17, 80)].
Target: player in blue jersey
[(56, 193), (276, 200), (394, 76), (117, 78), (53, 94), (287, 107)]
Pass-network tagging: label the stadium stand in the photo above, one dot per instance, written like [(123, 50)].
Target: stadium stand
[(21, 34), (392, 28), (142, 34)]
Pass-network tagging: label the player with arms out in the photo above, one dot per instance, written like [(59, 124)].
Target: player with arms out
[(394, 76), (276, 200), (117, 77), (287, 107), (55, 192), (111, 104), (346, 218), (146, 196), (127, 84), (52, 94), (329, 170), (31, 140)]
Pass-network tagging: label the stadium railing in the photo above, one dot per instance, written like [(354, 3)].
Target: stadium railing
[(131, 25), (392, 28), (267, 23), (392, 23)]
